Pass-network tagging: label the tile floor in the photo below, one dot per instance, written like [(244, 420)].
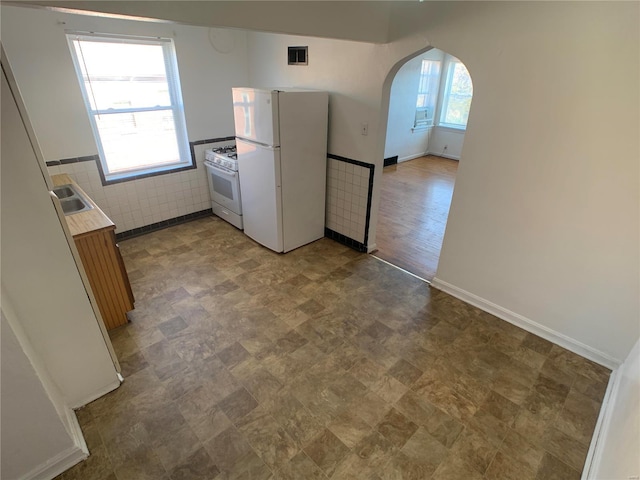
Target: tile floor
[(324, 364)]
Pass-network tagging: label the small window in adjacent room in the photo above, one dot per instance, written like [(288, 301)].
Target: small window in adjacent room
[(298, 55), (132, 93), (456, 100), (427, 93)]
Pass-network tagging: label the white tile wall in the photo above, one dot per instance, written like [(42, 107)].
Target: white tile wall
[(149, 200), (347, 192)]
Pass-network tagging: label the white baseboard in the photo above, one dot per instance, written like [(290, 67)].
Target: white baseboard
[(95, 395), (600, 433), (444, 155), (411, 157), (529, 325), (65, 459), (56, 465)]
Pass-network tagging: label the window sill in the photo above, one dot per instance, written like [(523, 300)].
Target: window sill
[(455, 128), (150, 172)]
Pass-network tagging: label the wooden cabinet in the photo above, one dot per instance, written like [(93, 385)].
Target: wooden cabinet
[(108, 278), (94, 235)]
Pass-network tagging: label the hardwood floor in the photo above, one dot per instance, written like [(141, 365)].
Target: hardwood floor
[(416, 196)]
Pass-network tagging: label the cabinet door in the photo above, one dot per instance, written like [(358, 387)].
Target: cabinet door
[(108, 278)]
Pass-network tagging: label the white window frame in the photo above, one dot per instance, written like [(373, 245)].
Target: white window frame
[(421, 119), (176, 106), (447, 80)]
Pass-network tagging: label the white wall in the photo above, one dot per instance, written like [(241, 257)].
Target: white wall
[(618, 455), (40, 277), (340, 67), (32, 431), (402, 139), (446, 142), (35, 43)]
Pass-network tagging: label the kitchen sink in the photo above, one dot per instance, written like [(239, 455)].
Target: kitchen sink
[(73, 205), (63, 191), (71, 200)]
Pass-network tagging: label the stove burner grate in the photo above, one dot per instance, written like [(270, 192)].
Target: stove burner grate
[(225, 149)]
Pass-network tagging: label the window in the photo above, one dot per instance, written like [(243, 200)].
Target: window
[(132, 93), (427, 93), (456, 100)]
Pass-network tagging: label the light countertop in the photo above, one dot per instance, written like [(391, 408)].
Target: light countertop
[(83, 222)]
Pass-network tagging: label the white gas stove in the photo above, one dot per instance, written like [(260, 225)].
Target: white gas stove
[(224, 183)]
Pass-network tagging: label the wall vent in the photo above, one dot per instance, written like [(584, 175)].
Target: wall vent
[(298, 56)]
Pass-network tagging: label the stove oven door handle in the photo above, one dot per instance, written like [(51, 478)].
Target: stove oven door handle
[(223, 170)]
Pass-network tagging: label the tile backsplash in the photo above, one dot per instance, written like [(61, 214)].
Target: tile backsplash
[(148, 200), (348, 191)]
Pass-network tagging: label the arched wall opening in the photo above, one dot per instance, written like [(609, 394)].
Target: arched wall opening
[(426, 101)]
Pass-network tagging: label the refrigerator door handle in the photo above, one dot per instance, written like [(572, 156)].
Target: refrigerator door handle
[(264, 145)]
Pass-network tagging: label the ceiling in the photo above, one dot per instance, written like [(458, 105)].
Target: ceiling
[(364, 21)]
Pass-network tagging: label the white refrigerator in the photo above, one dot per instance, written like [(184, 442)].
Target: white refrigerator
[(281, 137)]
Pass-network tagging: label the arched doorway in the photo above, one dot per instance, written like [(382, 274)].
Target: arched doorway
[(429, 102)]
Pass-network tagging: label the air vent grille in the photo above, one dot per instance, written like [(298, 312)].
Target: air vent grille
[(298, 56)]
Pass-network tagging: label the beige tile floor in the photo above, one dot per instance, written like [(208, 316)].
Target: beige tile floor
[(324, 363)]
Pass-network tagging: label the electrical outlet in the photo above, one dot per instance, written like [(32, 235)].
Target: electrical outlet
[(364, 129)]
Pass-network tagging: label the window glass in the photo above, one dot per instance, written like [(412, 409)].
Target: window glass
[(456, 102), (136, 140), (132, 94)]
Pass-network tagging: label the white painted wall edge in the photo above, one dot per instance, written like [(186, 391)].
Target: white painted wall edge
[(372, 248), (95, 395), (596, 448), (76, 431), (411, 157), (56, 465), (444, 155), (529, 325)]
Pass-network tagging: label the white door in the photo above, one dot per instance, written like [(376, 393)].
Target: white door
[(255, 114), (259, 169)]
